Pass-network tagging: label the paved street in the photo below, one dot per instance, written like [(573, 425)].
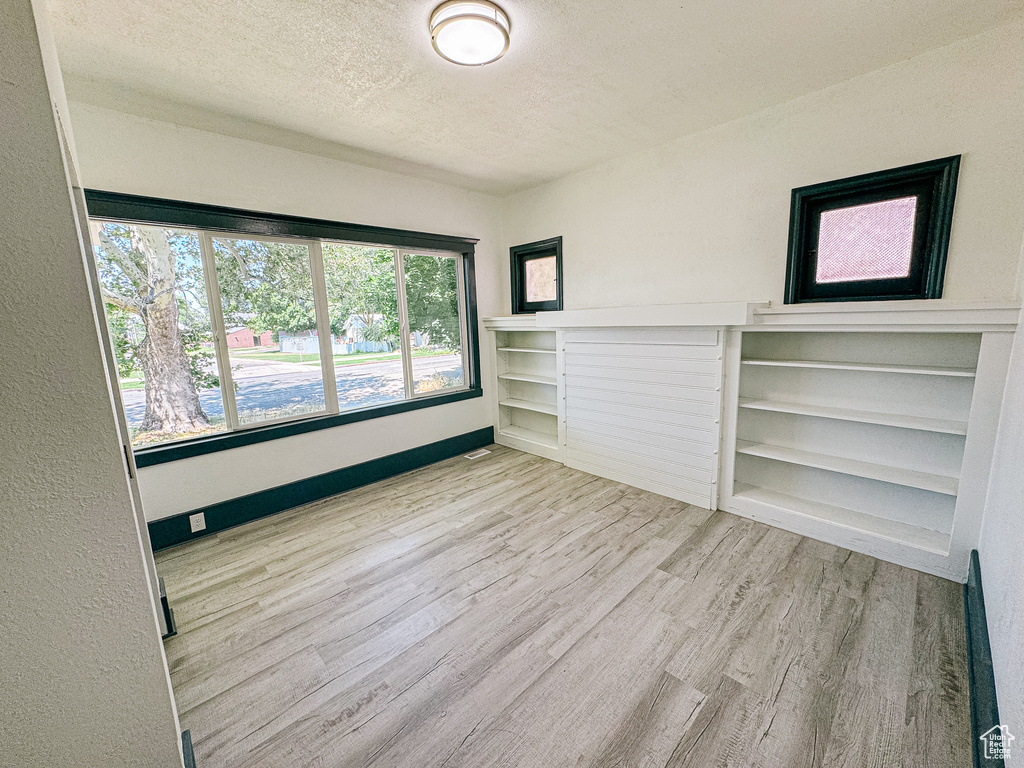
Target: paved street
[(265, 385)]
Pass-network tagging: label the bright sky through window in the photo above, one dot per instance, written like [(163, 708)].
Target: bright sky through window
[(866, 242)]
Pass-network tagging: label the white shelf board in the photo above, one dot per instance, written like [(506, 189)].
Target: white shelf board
[(930, 315), (901, 533), (923, 423), (511, 323), (654, 315), (928, 370), (532, 378), (896, 475), (529, 405), (527, 349), (530, 435)]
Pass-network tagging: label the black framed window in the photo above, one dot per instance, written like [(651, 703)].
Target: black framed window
[(877, 236), (353, 322), (537, 276)]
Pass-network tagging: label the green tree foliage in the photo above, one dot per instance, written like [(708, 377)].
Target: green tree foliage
[(268, 286), (123, 335), (361, 283), (432, 293)]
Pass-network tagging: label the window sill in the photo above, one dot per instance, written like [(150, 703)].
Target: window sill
[(200, 446)]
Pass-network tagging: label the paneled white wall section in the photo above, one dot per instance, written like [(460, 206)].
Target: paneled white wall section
[(642, 407)]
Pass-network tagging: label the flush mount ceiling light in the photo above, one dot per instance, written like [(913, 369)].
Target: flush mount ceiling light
[(470, 32)]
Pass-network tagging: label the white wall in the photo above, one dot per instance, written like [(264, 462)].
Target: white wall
[(1002, 550), (124, 153), (705, 218), (83, 680)]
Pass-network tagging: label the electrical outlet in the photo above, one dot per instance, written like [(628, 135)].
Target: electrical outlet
[(197, 522)]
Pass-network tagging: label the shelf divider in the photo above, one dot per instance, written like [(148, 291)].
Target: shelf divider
[(922, 370), (886, 474), (527, 349), (902, 533), (532, 378), (529, 405), (530, 435), (923, 423)]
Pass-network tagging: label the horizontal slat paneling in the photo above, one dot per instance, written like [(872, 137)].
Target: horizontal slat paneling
[(696, 441), (617, 470), (640, 376), (700, 498), (671, 462), (643, 408), (708, 396), (656, 351), (680, 337), (630, 363), (589, 408), (602, 400)]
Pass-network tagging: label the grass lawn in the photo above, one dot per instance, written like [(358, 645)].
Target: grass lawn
[(353, 359), (132, 384)]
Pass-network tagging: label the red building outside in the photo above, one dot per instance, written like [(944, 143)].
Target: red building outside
[(244, 337)]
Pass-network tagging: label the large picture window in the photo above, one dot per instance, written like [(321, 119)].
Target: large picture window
[(220, 328)]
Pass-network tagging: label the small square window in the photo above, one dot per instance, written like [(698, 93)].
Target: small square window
[(541, 279), (878, 236), (537, 276)]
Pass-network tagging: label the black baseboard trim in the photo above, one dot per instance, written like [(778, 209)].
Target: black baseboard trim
[(980, 675), (174, 530), (186, 749), (172, 627)]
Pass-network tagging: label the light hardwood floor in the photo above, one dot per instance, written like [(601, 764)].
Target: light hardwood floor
[(509, 611)]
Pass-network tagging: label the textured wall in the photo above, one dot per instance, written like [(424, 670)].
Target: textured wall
[(82, 674), (1002, 552), (706, 217), (123, 153)]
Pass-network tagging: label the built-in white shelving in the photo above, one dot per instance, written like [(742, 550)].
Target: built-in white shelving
[(527, 379), (862, 432)]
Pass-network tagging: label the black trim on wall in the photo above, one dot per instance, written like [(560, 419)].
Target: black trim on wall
[(227, 514), (186, 749), (199, 446), (472, 347), (165, 606), (153, 210), (980, 675)]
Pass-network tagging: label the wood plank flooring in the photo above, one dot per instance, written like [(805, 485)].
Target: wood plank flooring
[(508, 611)]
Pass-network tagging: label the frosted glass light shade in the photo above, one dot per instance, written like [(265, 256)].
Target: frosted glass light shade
[(469, 32)]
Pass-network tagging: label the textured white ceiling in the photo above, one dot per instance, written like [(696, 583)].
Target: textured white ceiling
[(584, 80)]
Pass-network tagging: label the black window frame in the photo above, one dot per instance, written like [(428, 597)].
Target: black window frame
[(518, 256), (933, 183), (136, 209)]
